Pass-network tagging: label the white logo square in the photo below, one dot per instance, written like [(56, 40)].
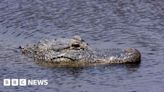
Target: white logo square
[(22, 82), (14, 82), (6, 82)]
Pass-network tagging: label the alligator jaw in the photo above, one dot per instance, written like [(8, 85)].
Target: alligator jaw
[(62, 58)]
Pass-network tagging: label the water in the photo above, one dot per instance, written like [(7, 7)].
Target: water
[(103, 24)]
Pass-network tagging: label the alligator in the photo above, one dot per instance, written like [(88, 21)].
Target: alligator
[(76, 52)]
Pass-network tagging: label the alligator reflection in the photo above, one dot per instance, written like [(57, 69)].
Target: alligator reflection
[(77, 71)]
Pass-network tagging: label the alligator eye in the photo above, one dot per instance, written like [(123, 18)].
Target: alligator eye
[(82, 40), (75, 45)]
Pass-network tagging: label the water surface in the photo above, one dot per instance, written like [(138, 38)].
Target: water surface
[(103, 24)]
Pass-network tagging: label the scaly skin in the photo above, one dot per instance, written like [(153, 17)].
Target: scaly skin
[(76, 52)]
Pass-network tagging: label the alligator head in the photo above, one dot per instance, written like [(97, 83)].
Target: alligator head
[(76, 52), (59, 51)]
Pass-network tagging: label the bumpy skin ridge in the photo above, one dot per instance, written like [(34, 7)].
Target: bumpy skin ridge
[(76, 52)]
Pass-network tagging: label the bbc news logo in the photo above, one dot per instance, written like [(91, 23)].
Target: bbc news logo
[(23, 82)]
